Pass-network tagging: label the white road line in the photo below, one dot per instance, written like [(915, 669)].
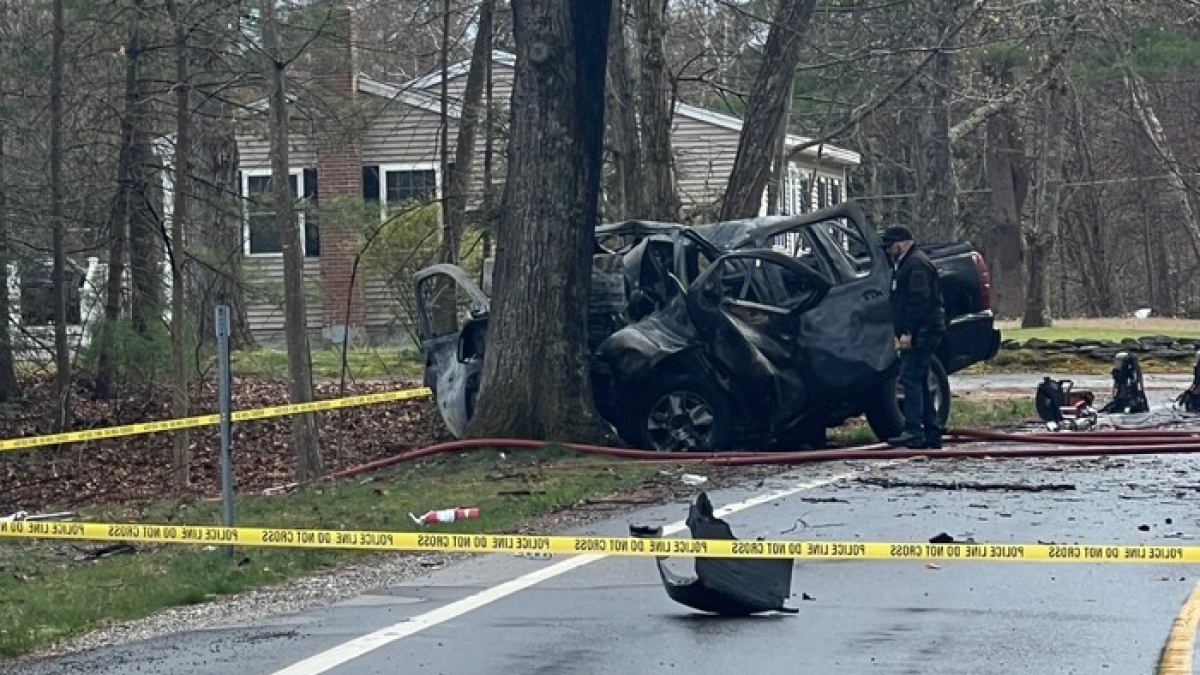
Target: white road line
[(347, 651)]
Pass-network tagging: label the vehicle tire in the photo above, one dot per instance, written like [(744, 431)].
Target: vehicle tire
[(679, 413), (885, 412)]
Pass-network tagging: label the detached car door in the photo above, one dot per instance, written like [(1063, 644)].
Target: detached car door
[(452, 315)]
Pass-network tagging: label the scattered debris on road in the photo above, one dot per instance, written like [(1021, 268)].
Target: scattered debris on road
[(798, 523), (883, 482), (731, 587), (944, 538)]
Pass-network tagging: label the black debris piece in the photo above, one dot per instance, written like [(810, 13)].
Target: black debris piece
[(726, 586)]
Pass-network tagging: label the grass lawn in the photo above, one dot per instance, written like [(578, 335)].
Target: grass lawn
[(48, 596), (964, 414), (1021, 360), (1102, 329)]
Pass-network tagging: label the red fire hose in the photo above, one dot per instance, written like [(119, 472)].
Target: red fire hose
[(1065, 444)]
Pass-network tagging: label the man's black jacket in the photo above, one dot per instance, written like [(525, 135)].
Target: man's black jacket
[(916, 295)]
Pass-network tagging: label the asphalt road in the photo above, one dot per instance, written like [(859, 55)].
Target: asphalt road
[(1101, 385), (590, 616)]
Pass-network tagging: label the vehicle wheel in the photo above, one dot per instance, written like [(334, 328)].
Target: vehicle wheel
[(680, 413), (885, 413)]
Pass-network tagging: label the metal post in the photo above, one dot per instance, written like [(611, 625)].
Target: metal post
[(223, 387)]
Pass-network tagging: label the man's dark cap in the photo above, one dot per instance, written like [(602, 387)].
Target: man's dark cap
[(895, 233)]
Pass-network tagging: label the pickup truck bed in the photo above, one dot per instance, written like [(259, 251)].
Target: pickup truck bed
[(966, 290)]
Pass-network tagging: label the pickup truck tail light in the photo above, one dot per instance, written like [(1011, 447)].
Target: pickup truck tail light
[(985, 280)]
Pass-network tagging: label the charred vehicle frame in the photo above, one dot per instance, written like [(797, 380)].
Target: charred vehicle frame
[(759, 333)]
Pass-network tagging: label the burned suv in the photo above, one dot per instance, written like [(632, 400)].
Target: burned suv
[(753, 334)]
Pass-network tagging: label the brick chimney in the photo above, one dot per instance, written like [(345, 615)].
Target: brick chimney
[(334, 51), (339, 172)]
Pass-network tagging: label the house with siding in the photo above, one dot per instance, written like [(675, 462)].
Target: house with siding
[(395, 157)]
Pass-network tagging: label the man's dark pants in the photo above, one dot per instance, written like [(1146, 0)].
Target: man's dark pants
[(920, 416)]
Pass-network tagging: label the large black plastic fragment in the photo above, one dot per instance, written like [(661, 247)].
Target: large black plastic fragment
[(727, 586)]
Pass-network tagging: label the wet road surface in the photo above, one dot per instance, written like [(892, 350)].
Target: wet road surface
[(608, 616), (1161, 384)]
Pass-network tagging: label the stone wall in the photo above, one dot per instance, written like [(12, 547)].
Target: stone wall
[(1156, 347)]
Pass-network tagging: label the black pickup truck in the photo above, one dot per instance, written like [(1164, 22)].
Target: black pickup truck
[(759, 333)]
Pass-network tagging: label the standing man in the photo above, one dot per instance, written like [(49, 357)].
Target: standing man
[(919, 320)]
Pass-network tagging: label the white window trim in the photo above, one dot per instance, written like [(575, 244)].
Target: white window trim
[(247, 174), (385, 169)]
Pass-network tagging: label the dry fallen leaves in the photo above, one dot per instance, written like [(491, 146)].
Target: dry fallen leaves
[(136, 469)]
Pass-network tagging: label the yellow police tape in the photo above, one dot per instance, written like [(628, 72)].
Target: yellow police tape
[(604, 546), (206, 420)]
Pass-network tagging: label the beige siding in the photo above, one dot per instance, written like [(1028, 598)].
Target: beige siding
[(403, 135), (703, 159), (254, 148), (502, 84), (264, 297)]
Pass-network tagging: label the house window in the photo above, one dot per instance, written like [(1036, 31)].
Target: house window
[(822, 192), (404, 185), (836, 197), (262, 236)]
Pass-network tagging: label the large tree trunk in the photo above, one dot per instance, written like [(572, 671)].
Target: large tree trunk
[(1040, 238), (300, 386), (145, 230), (655, 96), (450, 235), (489, 150), (10, 389), (752, 164), (62, 357), (214, 233), (468, 129), (122, 206), (777, 187), (536, 380), (623, 143), (1008, 177), (181, 189)]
